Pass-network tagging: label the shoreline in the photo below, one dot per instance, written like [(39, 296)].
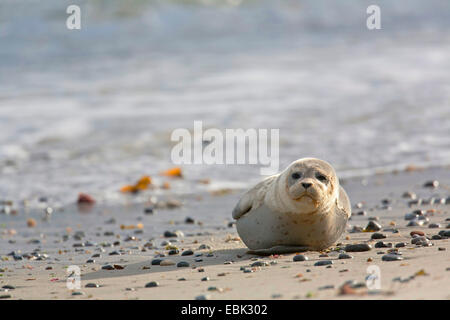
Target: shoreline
[(424, 272)]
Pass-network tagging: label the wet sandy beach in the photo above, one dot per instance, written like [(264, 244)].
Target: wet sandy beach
[(201, 257)]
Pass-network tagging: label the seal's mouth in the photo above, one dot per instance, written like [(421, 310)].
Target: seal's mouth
[(307, 198)]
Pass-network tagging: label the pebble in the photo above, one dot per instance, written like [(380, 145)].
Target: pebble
[(442, 249), (391, 257), (5, 296), (378, 235), (8, 287), (373, 226), (187, 253), (152, 284), (434, 225), (345, 256), (400, 245), (108, 267), (300, 257), (77, 293), (149, 210), (421, 241), (416, 232), (203, 297), (189, 220), (381, 244), (183, 264), (205, 279), (323, 263), (444, 233), (411, 216), (415, 223), (259, 264), (92, 285), (360, 247), (165, 263), (431, 184), (175, 234), (156, 262)]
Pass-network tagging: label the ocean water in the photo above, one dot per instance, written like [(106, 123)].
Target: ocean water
[(93, 109)]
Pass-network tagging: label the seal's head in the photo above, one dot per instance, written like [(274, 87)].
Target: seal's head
[(311, 184)]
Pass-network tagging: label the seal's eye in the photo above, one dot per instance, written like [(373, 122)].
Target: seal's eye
[(321, 177), (296, 175)]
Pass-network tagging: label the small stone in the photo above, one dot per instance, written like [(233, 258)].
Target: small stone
[(108, 267), (183, 264), (391, 257), (378, 235), (165, 263), (411, 216), (373, 226), (323, 263), (444, 233), (115, 253), (381, 244), (176, 234), (189, 220), (442, 249), (360, 247), (149, 210), (156, 262), (415, 223), (300, 257), (203, 297), (409, 195), (77, 293), (8, 287), (205, 279), (431, 184), (416, 232), (434, 225), (152, 284), (436, 237), (400, 245), (187, 253), (345, 256), (259, 264), (92, 285)]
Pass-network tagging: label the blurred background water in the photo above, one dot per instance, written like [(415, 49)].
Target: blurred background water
[(92, 109)]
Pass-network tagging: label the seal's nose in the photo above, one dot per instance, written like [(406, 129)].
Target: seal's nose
[(306, 185)]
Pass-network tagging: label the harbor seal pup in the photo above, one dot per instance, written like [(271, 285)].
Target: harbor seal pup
[(302, 208)]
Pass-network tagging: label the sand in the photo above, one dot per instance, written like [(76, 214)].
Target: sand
[(422, 274)]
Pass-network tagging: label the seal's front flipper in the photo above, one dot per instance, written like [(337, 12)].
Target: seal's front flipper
[(279, 250)]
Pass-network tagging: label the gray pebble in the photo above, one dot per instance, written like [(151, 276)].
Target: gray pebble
[(345, 256), (183, 264), (391, 257), (323, 263), (152, 284), (378, 235), (360, 247), (259, 264), (300, 257), (92, 285), (187, 253)]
